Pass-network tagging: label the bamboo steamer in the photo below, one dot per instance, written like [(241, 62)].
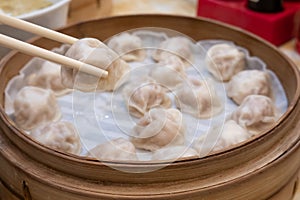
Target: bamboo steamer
[(264, 167)]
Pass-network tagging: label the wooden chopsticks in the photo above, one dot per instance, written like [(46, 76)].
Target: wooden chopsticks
[(43, 53), (36, 29)]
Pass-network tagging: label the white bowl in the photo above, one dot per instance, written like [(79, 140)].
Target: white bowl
[(53, 17)]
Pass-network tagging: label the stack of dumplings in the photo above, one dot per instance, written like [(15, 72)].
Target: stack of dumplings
[(164, 102)]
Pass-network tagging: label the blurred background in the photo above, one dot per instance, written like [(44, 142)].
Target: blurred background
[(279, 28)]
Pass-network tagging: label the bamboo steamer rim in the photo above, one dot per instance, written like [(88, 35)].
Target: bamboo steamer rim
[(292, 104), (93, 194)]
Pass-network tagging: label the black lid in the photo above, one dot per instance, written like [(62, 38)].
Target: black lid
[(268, 6)]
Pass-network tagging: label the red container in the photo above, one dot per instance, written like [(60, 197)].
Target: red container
[(277, 28), (297, 31)]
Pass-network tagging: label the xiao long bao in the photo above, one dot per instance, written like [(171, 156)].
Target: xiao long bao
[(174, 153), (48, 77), (159, 128), (225, 135), (45, 74), (256, 113), (61, 136), (128, 46), (224, 61), (93, 52), (171, 47), (35, 106), (249, 82), (170, 72), (198, 98), (118, 149), (140, 98)]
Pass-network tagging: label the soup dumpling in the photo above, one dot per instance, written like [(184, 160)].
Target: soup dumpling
[(198, 98), (141, 98), (256, 113), (170, 72), (48, 77), (61, 136), (93, 52), (159, 128), (249, 82), (174, 153), (224, 60), (128, 46), (118, 150), (179, 46), (35, 106), (222, 137)]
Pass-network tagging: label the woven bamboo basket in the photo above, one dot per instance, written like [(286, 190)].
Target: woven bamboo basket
[(264, 167)]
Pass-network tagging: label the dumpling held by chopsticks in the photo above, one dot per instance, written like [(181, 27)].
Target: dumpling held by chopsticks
[(93, 52)]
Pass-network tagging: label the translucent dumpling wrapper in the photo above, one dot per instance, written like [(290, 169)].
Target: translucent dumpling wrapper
[(159, 128), (224, 60), (48, 77), (249, 82), (169, 72), (256, 113), (198, 98), (174, 153), (221, 137), (179, 46), (33, 68), (140, 98), (118, 150), (93, 52), (35, 106), (128, 46), (61, 136)]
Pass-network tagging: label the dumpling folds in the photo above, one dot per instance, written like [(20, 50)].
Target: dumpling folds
[(256, 113), (198, 98), (48, 77), (174, 153), (35, 106), (249, 82), (223, 61), (61, 136), (159, 128), (128, 46), (169, 72), (93, 52), (221, 137), (140, 98), (118, 150), (179, 46)]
